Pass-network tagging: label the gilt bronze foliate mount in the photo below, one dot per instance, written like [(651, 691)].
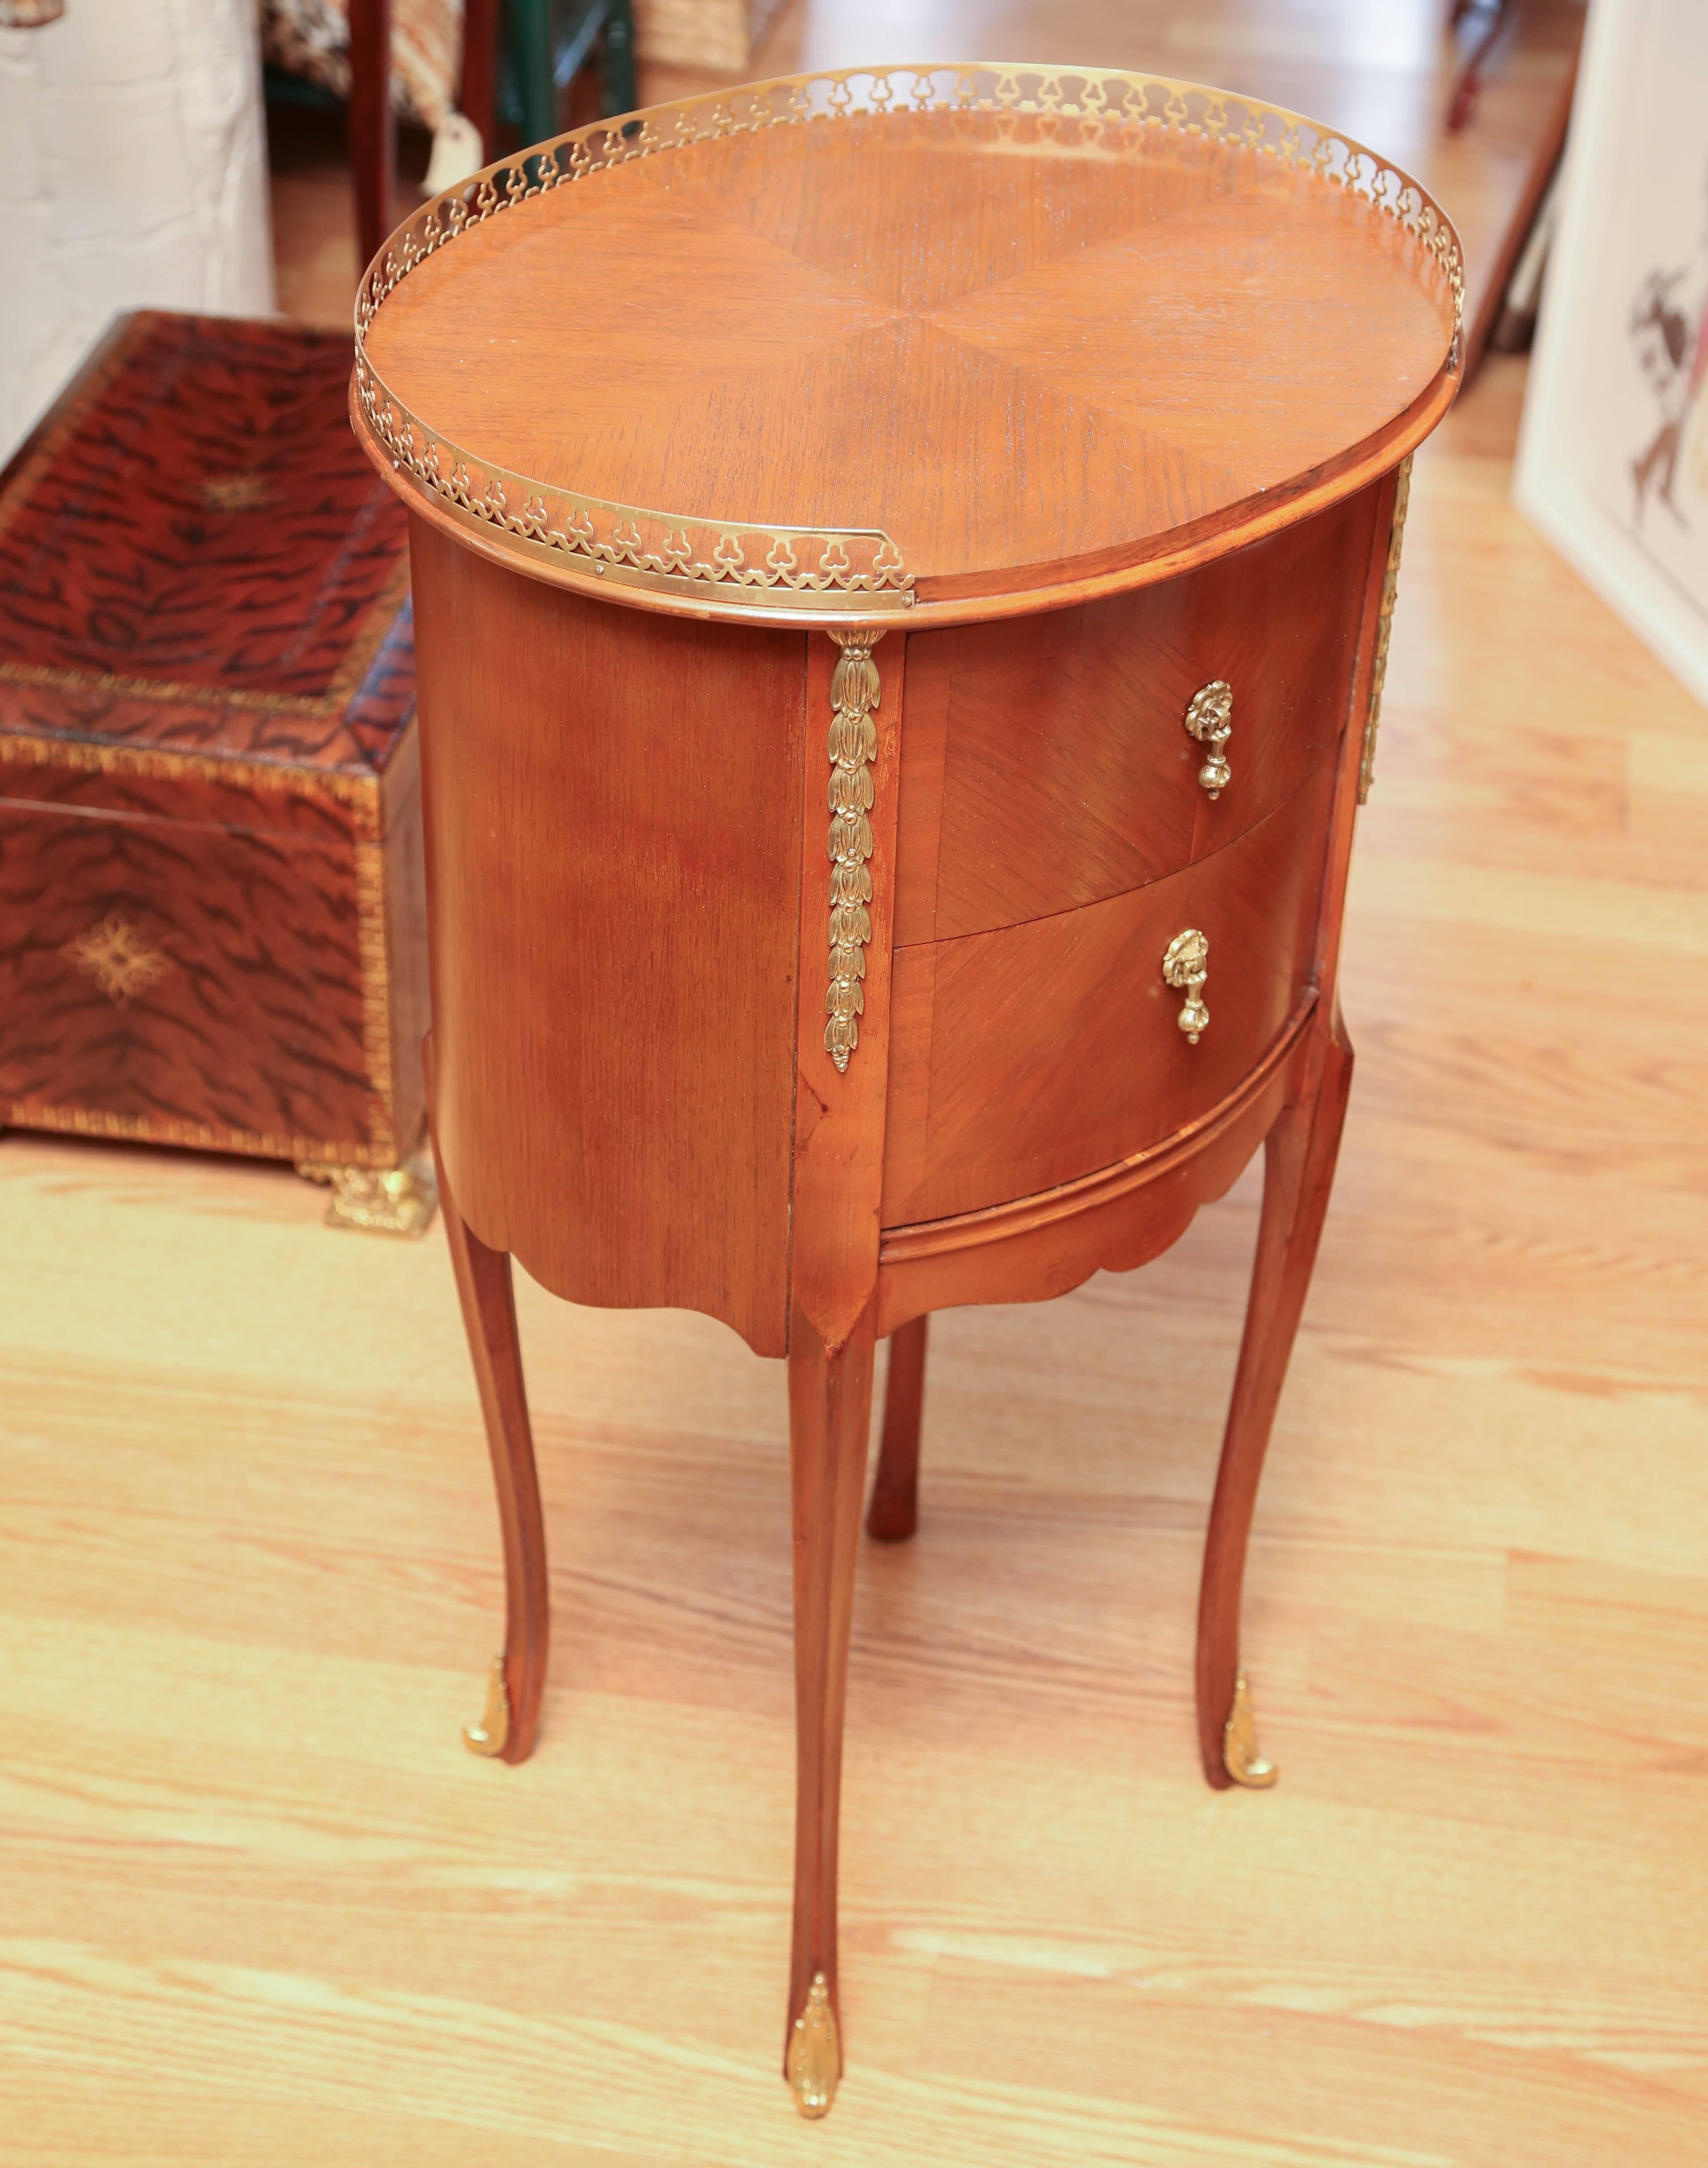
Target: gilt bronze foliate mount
[(855, 693)]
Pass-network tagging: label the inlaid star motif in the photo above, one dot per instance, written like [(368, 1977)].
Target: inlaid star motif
[(115, 955), (243, 491)]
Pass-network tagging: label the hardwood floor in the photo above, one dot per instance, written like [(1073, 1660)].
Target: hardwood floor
[(257, 1903)]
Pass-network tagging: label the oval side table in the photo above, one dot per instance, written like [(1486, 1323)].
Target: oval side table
[(903, 564)]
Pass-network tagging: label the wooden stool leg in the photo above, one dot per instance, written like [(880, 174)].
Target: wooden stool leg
[(489, 1317), (829, 1416), (1299, 1173), (894, 1511)]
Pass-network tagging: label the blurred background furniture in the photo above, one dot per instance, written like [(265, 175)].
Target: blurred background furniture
[(1480, 22), (722, 35), (822, 939), (210, 879), (135, 162), (548, 42), (448, 67)]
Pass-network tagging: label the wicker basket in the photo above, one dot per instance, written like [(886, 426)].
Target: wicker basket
[(701, 34)]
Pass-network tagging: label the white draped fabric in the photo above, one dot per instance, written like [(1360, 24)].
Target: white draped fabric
[(133, 167)]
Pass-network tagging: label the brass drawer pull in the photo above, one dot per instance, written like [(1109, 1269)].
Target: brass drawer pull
[(1185, 964), (1210, 720)]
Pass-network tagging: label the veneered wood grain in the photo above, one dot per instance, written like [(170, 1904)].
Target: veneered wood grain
[(1392, 88), (1299, 615), (613, 817), (799, 347), (893, 1513), (1054, 1047), (913, 989), (919, 829), (1068, 774), (1064, 778), (1121, 1217)]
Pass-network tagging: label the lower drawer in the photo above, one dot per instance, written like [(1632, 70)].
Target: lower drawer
[(1027, 1056), (193, 985)]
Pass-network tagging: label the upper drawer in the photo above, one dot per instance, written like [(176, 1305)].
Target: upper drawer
[(1027, 1056), (1055, 749)]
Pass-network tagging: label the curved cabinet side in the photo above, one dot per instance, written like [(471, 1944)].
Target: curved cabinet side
[(615, 1011)]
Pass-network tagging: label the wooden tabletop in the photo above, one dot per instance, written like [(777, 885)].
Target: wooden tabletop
[(956, 342)]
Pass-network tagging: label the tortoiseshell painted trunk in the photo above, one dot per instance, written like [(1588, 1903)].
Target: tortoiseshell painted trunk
[(211, 911)]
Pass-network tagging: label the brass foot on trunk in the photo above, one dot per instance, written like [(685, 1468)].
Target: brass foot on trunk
[(380, 1200), (1242, 1757), (491, 1734), (815, 2061)]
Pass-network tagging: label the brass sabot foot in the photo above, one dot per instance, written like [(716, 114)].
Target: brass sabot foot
[(388, 1200), (814, 2053), (491, 1734), (1242, 1757)]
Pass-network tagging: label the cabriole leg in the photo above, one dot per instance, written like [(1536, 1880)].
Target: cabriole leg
[(1298, 1171), (829, 1416), (489, 1317), (894, 1511)]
